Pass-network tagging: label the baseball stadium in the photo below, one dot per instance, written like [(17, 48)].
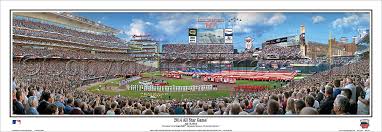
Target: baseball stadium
[(69, 63)]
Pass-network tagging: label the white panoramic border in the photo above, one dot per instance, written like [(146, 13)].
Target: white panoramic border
[(141, 123)]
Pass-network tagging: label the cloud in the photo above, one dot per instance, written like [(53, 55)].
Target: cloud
[(350, 20), (158, 26), (136, 27), (257, 23), (250, 18), (242, 29), (318, 19), (163, 26), (101, 20), (276, 19), (171, 24), (256, 18)]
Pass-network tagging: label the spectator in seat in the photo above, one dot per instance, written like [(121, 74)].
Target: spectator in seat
[(43, 105), (349, 85), (309, 101), (352, 104), (290, 107), (136, 112), (308, 111), (85, 108), (364, 100), (247, 106), (199, 108), (69, 106), (286, 96), (340, 105), (205, 109), (327, 105), (118, 111), (221, 109), (316, 104), (52, 109), (60, 111), (113, 107), (147, 106), (156, 110), (148, 112), (273, 107), (298, 105), (242, 105), (259, 109), (337, 88), (163, 110), (235, 109), (14, 83), (59, 101), (76, 109), (33, 102), (31, 93), (18, 107), (210, 112), (99, 110), (299, 95)]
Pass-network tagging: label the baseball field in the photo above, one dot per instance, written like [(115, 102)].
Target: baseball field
[(223, 89)]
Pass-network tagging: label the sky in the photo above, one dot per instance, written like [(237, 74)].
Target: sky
[(172, 27)]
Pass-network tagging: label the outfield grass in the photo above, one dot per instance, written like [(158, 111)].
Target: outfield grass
[(136, 82), (270, 84), (151, 74), (187, 77), (178, 82), (298, 77)]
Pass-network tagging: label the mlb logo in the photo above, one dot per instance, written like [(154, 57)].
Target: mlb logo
[(16, 122), (364, 123)]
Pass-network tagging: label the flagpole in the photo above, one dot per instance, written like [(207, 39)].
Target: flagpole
[(330, 48), (330, 54)]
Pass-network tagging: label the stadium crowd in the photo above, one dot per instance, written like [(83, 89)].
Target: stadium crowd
[(202, 52), (64, 52), (43, 30), (189, 48), (287, 62), (342, 60), (340, 91), (281, 52)]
